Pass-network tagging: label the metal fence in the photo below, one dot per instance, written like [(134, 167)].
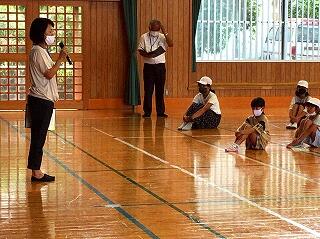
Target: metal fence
[(254, 30)]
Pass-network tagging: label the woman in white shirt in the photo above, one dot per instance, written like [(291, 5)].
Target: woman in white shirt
[(43, 92), (204, 112)]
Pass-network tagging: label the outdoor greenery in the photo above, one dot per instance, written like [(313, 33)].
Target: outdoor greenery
[(304, 9), (220, 18)]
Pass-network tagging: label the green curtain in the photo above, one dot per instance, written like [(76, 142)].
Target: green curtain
[(195, 13), (132, 96)]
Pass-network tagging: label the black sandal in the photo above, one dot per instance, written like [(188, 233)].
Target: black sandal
[(45, 178)]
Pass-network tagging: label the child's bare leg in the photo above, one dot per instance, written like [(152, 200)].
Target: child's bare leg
[(302, 127), (313, 136), (240, 138), (309, 130), (299, 113), (243, 135), (296, 111), (293, 113), (252, 138)]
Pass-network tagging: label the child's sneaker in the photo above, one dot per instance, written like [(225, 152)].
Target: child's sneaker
[(292, 125), (188, 126), (232, 148), (301, 145), (289, 126), (182, 125)]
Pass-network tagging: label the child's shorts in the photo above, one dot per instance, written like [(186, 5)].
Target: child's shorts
[(316, 142), (259, 144)]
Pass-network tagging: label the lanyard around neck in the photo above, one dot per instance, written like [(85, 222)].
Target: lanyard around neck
[(151, 45)]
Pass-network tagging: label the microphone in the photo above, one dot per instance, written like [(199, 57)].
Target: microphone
[(68, 58)]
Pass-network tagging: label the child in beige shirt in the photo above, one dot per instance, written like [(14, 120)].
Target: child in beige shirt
[(254, 130)]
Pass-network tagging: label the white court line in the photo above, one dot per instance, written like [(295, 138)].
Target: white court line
[(182, 136), (259, 162), (212, 145), (275, 126), (174, 136), (132, 146), (267, 210), (109, 117), (265, 164)]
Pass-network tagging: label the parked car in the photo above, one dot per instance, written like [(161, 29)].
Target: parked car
[(302, 41)]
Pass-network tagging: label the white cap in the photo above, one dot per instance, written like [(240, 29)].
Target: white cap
[(314, 101), (205, 80), (303, 83)]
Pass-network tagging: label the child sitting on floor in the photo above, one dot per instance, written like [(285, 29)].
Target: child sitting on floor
[(308, 131), (254, 130), (296, 109), (204, 112)]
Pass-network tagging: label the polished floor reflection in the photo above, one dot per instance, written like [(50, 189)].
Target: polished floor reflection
[(121, 176)]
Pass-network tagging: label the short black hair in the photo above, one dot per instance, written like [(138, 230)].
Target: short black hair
[(38, 28), (258, 102), (154, 22)]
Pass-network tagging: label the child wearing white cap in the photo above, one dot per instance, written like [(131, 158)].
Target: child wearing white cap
[(204, 112), (297, 109), (308, 131)]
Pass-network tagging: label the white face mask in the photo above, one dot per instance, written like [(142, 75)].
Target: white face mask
[(50, 40), (154, 33), (257, 113)]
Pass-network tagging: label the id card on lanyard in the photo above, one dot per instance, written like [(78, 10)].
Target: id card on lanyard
[(154, 42)]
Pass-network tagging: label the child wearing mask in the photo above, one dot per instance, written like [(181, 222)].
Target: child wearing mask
[(254, 130), (204, 112), (308, 131), (297, 109)]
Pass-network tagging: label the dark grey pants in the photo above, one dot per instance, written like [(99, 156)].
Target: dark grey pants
[(40, 112), (154, 77), (208, 120)]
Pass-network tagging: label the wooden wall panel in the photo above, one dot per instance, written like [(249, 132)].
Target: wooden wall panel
[(175, 16), (230, 78), (108, 50), (258, 78), (106, 57)]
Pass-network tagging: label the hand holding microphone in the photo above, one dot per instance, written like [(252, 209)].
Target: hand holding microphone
[(66, 55)]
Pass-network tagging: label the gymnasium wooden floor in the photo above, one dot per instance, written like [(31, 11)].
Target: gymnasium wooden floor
[(121, 176)]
